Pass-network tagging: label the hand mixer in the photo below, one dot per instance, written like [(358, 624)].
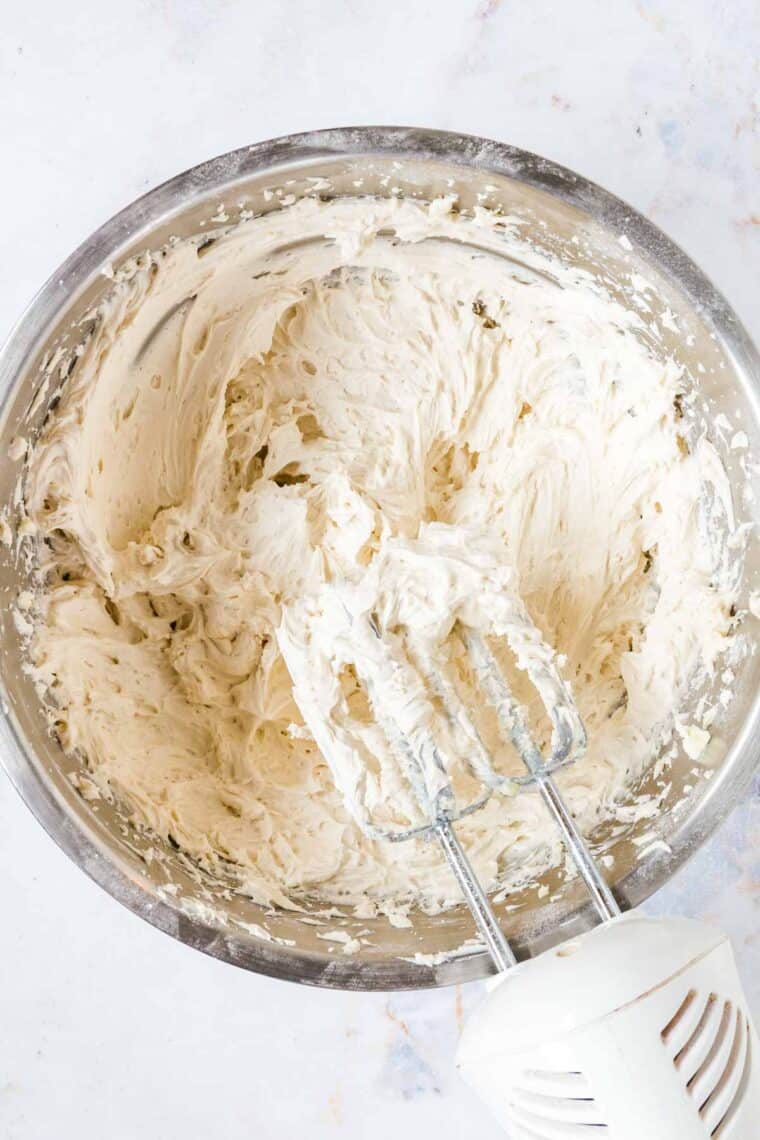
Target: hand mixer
[(638, 1029)]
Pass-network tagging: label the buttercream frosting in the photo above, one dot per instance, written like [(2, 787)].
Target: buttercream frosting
[(403, 403)]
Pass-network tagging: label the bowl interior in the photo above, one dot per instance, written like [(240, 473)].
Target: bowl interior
[(561, 214)]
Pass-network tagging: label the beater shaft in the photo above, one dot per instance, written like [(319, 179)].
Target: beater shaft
[(475, 896)]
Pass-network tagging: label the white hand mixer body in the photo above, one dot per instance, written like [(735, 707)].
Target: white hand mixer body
[(638, 1030)]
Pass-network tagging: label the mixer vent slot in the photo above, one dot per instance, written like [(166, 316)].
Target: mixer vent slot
[(709, 1041), (552, 1105)]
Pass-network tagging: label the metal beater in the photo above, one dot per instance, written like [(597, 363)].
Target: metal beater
[(427, 771)]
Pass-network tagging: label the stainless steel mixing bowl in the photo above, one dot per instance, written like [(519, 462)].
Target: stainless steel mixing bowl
[(557, 207)]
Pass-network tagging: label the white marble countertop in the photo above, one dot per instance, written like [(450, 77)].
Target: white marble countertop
[(109, 1028)]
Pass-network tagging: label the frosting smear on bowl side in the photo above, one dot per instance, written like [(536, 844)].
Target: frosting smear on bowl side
[(394, 397)]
